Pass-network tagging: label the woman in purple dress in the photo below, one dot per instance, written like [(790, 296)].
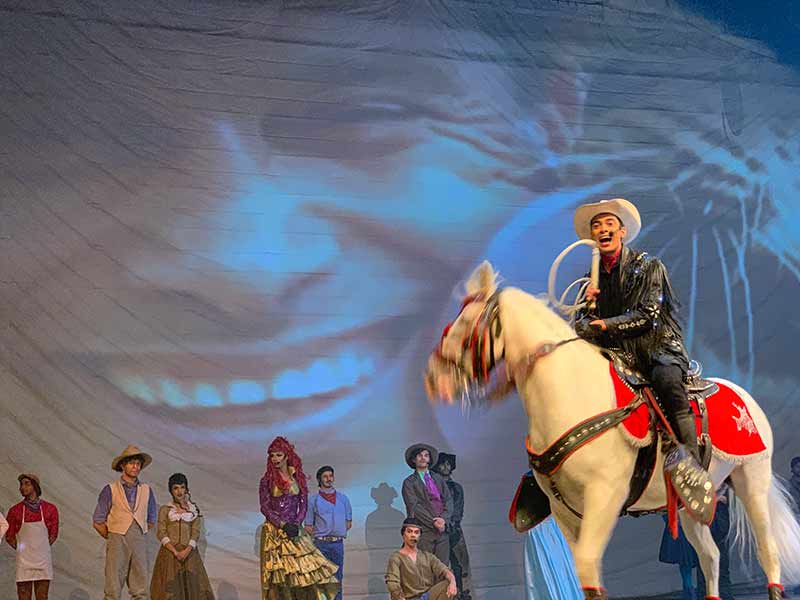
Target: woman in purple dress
[(291, 566)]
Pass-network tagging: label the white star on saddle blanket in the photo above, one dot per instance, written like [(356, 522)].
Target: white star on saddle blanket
[(744, 421)]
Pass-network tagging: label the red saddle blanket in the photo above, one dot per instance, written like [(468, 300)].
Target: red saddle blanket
[(730, 425)]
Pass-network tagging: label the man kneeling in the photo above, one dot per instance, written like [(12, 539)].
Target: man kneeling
[(414, 574)]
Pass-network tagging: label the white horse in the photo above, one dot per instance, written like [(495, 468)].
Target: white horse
[(570, 384)]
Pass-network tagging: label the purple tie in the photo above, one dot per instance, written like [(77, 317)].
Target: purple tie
[(434, 495)]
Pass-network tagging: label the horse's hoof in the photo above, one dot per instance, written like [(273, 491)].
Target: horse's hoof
[(595, 593), (776, 591)]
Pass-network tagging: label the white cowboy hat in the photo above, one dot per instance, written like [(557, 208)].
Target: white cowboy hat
[(623, 209)]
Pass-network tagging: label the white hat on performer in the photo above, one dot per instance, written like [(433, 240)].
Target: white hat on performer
[(623, 209)]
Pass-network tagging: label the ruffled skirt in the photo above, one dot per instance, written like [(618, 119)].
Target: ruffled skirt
[(294, 569)]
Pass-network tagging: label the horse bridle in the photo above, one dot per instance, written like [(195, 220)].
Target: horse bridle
[(479, 344)]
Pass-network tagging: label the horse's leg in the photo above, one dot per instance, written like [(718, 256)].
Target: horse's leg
[(601, 506), (751, 484), (699, 535)]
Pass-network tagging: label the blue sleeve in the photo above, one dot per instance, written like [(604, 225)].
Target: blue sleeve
[(103, 505), (152, 508), (348, 510), (312, 510)]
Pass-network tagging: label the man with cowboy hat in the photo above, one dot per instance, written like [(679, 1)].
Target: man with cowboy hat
[(636, 309), (126, 510), (32, 529), (428, 500)]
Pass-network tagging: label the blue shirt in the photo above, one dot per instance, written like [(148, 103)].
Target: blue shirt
[(329, 519), (131, 489)]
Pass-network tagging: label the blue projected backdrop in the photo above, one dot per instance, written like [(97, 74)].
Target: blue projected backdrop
[(221, 222)]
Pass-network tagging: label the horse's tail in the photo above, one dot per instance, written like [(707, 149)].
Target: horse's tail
[(784, 526)]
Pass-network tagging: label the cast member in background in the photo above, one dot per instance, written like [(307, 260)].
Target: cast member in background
[(427, 499), (32, 529), (549, 568), (328, 520), (719, 531), (680, 552), (179, 573), (126, 510), (414, 574), (3, 526), (292, 568), (794, 482), (459, 556)]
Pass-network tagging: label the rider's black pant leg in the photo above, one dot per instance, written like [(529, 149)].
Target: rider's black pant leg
[(668, 385)]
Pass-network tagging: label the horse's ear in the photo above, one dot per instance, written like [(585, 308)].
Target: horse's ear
[(483, 280)]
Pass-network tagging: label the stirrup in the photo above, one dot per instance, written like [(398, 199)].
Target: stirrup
[(692, 483)]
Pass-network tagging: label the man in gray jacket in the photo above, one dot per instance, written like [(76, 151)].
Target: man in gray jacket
[(427, 499)]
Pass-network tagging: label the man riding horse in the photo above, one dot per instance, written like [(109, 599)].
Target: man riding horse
[(635, 310)]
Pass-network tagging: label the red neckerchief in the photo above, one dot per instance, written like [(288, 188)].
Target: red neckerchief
[(610, 261), (329, 497)]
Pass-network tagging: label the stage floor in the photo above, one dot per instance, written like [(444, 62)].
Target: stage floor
[(740, 591)]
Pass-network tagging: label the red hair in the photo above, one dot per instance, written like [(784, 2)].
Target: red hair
[(281, 444)]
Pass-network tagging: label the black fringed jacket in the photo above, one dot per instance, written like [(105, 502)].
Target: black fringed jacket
[(647, 327)]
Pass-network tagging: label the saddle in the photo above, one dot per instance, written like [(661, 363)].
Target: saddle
[(697, 388)]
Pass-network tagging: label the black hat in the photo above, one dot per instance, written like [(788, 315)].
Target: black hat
[(412, 451), (322, 470), (410, 522), (443, 458)]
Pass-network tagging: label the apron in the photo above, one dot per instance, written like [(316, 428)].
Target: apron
[(34, 561)]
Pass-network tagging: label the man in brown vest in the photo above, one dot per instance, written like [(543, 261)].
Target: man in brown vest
[(125, 510)]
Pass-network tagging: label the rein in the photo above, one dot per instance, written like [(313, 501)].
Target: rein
[(526, 364)]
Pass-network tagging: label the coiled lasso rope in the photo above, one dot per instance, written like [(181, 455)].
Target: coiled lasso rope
[(567, 309)]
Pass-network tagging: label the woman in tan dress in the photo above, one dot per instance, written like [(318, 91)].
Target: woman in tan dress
[(179, 573)]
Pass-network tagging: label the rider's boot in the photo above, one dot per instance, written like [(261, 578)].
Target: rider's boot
[(686, 432), (682, 464)]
